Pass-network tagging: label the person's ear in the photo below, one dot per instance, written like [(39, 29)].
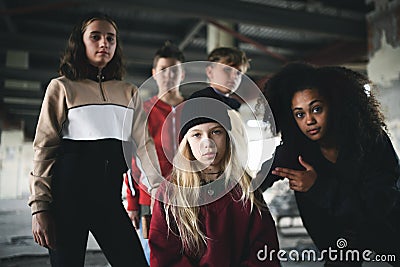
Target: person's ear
[(183, 76), (209, 72), (153, 71)]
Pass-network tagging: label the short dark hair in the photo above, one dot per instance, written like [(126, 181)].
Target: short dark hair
[(168, 50), (230, 55), (74, 64)]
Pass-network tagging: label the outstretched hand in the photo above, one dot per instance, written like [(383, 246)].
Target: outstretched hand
[(299, 180)]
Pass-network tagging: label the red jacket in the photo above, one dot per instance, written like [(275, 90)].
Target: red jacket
[(163, 125), (237, 236)]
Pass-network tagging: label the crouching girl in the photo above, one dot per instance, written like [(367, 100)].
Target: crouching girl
[(206, 213)]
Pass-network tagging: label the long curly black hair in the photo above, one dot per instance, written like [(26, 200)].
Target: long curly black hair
[(355, 118), (74, 63)]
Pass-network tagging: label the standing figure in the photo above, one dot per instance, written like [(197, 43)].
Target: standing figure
[(225, 71), (163, 124), (86, 116), (339, 160), (206, 213)]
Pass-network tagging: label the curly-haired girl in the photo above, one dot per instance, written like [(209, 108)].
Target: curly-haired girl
[(338, 158)]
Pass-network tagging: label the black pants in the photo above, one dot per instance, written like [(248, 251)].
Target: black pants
[(87, 197)]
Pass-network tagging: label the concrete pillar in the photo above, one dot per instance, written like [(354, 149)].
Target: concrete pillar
[(217, 37), (384, 60), (15, 164)]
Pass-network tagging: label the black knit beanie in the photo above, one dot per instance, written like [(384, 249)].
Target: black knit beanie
[(203, 110)]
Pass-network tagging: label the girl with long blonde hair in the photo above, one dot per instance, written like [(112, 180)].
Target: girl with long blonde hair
[(207, 214)]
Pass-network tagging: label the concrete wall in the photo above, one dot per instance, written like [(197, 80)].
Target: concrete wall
[(384, 61), (15, 164)]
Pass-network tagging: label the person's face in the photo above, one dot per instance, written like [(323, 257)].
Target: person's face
[(207, 142), (168, 74), (225, 78), (310, 110), (100, 42)]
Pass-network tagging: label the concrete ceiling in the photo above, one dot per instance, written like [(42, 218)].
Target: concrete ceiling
[(271, 32)]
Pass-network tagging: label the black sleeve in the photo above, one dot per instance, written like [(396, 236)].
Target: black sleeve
[(283, 157), (372, 193), (382, 177)]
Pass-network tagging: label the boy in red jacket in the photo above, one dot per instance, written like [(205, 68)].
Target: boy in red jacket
[(163, 128)]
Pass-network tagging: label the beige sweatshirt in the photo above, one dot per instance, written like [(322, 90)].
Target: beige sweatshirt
[(88, 110)]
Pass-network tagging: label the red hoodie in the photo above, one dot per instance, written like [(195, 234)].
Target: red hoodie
[(237, 236), (163, 125)]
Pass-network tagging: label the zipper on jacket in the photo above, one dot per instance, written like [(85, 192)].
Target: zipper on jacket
[(106, 164), (100, 78)]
